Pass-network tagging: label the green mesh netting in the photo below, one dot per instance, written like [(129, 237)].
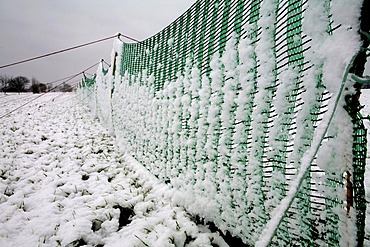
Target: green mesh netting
[(224, 104)]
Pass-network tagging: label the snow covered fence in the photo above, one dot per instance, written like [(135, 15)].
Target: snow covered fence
[(246, 108)]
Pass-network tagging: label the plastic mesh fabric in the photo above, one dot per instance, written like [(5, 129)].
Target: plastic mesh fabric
[(225, 102)]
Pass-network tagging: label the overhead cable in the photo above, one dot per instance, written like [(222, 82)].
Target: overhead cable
[(127, 37), (105, 62), (67, 49)]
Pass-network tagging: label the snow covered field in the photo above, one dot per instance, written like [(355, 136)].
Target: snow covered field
[(64, 182)]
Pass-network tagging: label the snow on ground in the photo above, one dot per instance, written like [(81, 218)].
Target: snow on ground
[(64, 182)]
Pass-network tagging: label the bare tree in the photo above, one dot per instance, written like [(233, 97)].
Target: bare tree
[(34, 81), (38, 87), (4, 79), (18, 84)]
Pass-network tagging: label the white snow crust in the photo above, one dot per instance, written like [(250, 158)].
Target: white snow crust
[(62, 177)]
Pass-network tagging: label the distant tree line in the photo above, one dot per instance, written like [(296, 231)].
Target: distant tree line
[(21, 84)]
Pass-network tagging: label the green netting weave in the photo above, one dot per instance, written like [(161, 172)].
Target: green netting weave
[(224, 104)]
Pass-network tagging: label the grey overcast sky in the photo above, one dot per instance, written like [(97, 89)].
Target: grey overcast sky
[(31, 28)]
